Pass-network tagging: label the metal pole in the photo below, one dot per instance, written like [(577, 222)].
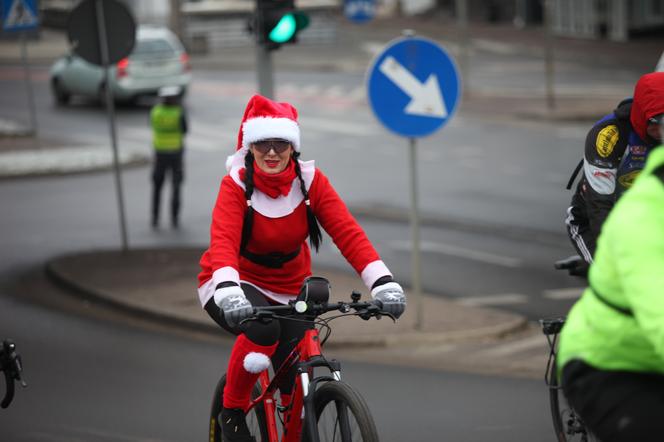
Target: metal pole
[(28, 85), (415, 225), (175, 19), (110, 109), (548, 54), (462, 22), (264, 63)]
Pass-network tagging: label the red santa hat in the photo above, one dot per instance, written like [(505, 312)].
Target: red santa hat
[(264, 119)]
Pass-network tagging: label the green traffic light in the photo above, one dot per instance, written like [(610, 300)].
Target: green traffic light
[(284, 30)]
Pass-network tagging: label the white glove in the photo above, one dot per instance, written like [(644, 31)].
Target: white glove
[(235, 305), (390, 298)]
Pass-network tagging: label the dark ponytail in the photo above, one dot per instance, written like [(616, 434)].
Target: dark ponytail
[(315, 235), (248, 223)]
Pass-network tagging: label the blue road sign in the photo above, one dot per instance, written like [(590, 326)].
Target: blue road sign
[(360, 11), (19, 15), (413, 87)]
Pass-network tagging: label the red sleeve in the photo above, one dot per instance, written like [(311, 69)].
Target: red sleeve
[(226, 228), (338, 222)]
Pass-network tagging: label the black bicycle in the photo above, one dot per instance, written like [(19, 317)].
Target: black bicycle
[(567, 424), (11, 366)]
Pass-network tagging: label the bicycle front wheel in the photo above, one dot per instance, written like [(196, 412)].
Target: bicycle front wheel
[(255, 418), (342, 415), (568, 425)]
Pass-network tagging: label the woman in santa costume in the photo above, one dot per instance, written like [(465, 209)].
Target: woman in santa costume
[(268, 204)]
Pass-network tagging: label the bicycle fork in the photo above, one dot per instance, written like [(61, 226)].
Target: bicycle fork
[(309, 387)]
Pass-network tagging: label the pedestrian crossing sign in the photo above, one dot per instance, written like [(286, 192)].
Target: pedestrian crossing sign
[(19, 15)]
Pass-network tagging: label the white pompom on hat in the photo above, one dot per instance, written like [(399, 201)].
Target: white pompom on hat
[(265, 119)]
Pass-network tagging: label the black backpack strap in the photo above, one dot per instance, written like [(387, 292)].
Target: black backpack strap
[(574, 174)]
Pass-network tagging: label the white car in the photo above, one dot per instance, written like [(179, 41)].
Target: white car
[(157, 60), (660, 64)]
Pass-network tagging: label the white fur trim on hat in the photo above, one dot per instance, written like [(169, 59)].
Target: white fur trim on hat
[(262, 128), (256, 362)]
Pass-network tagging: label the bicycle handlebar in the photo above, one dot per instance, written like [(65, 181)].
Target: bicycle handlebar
[(10, 365), (365, 310)]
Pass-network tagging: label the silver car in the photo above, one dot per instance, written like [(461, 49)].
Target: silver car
[(157, 60)]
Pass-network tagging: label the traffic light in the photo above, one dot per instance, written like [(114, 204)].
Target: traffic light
[(278, 22)]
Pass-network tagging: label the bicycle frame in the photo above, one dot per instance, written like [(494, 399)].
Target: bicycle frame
[(305, 356)]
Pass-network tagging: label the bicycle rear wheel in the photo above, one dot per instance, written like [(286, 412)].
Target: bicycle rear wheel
[(568, 425), (342, 415), (255, 417)]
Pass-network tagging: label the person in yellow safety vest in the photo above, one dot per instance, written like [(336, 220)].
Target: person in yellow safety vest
[(168, 121)]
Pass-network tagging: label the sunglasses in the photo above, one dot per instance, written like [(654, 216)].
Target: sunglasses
[(264, 146)]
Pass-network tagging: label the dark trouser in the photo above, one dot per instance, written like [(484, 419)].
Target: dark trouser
[(163, 163), (578, 229), (617, 406), (287, 332)]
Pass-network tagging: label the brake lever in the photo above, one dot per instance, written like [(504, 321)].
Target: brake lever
[(371, 311), (262, 316)]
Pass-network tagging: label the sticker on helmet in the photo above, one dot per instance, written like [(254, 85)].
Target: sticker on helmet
[(628, 179), (607, 140)]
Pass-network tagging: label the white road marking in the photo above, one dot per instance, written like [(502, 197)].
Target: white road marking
[(338, 126), (311, 90), (334, 91), (566, 293), (509, 348), (359, 93), (461, 252), (500, 299)]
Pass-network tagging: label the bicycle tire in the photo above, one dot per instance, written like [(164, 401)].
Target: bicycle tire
[(255, 418), (566, 423), (358, 425), (554, 400)]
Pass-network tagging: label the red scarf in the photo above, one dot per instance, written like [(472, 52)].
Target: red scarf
[(275, 184)]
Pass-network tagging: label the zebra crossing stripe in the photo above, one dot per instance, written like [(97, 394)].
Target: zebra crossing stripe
[(535, 341), (498, 299), (566, 293)]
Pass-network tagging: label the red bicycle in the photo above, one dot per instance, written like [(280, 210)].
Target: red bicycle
[(323, 408)]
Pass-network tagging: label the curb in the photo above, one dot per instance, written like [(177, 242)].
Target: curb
[(83, 291), (102, 298), (64, 161)]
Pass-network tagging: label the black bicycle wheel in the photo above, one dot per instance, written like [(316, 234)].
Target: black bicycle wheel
[(342, 415), (567, 424), (255, 418)]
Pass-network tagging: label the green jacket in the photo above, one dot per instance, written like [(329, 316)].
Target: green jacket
[(167, 128), (628, 273)]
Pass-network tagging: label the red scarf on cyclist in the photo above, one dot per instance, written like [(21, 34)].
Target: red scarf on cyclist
[(273, 184)]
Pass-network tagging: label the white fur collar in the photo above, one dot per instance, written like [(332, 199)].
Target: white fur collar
[(282, 205)]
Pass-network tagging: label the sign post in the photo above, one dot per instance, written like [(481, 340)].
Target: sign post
[(413, 88), (103, 32), (21, 15)]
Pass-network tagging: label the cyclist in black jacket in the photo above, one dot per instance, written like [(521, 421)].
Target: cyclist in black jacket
[(615, 153)]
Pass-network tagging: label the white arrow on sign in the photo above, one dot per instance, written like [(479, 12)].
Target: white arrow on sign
[(426, 98)]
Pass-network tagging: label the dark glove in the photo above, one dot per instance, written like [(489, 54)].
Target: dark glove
[(234, 304), (390, 298)]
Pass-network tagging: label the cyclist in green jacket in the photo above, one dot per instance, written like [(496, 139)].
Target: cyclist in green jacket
[(169, 126), (611, 354)]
